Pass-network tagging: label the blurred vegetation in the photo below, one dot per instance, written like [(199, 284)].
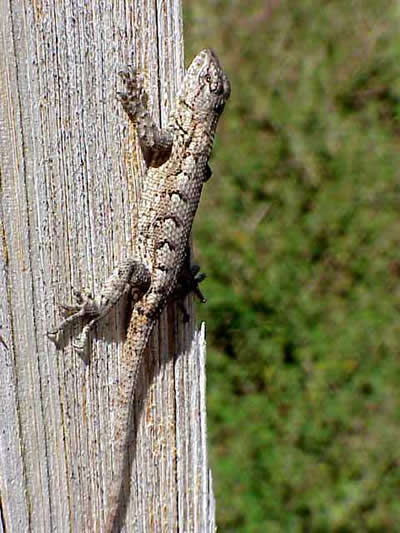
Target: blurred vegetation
[(299, 233)]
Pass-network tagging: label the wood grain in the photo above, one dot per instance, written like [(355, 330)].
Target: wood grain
[(70, 178)]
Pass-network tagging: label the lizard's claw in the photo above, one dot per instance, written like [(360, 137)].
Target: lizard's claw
[(82, 296), (54, 336), (68, 310), (79, 345), (197, 278)]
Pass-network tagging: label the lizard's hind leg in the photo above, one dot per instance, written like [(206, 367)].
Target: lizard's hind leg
[(129, 276), (188, 282)]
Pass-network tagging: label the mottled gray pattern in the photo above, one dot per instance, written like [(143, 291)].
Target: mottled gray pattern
[(177, 159)]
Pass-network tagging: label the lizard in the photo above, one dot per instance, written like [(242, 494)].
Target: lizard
[(177, 167)]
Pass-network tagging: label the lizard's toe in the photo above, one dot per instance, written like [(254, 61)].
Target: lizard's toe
[(122, 97), (79, 346), (53, 336), (68, 310)]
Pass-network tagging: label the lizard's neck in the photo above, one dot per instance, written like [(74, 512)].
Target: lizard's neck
[(195, 130)]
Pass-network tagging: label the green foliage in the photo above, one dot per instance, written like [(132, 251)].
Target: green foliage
[(299, 233)]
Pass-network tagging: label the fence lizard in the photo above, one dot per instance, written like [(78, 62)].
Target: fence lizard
[(177, 166)]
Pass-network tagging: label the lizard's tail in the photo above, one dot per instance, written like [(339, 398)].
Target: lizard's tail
[(139, 331)]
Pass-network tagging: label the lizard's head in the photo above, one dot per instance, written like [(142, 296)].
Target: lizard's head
[(206, 86)]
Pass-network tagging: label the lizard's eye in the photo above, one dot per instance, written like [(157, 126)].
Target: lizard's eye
[(208, 78)]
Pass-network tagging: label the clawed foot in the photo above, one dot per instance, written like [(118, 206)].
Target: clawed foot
[(134, 96), (197, 277), (83, 300), (84, 307), (189, 282)]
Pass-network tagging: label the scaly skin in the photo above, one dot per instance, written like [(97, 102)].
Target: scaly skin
[(177, 158)]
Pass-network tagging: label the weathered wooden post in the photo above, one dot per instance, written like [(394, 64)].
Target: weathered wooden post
[(70, 178)]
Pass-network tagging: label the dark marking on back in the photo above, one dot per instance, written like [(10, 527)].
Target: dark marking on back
[(160, 244), (175, 218), (179, 193)]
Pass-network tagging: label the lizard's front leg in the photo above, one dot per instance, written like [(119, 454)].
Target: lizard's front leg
[(128, 276), (155, 143)]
